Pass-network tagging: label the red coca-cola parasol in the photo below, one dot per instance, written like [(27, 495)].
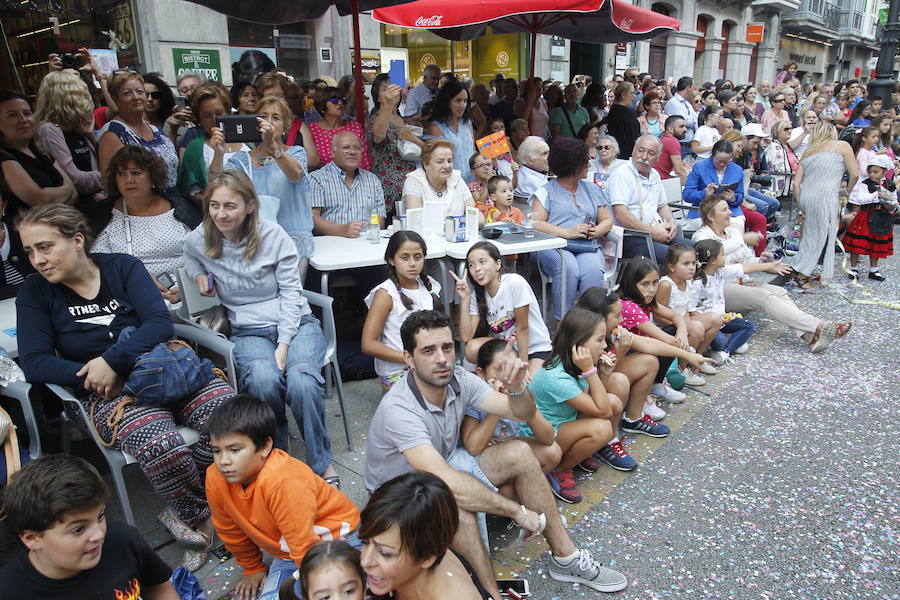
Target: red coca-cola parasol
[(591, 21)]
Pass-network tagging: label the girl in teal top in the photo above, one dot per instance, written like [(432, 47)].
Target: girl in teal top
[(571, 385)]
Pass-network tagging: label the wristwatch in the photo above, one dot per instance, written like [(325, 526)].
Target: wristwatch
[(277, 154)]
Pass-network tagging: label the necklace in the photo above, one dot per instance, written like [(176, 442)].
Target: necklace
[(433, 189)]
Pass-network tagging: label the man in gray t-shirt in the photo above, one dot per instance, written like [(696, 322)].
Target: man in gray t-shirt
[(417, 426)]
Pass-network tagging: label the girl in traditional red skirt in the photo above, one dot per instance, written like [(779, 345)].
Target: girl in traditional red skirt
[(873, 202)]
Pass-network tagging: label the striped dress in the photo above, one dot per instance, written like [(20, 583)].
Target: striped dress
[(822, 174)]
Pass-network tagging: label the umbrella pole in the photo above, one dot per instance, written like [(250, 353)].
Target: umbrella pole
[(357, 67), (533, 51)]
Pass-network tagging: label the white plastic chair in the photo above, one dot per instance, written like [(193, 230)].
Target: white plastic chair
[(118, 459), (193, 304), (20, 391)]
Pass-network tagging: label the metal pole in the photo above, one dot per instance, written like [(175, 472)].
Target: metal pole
[(884, 83), (357, 67), (452, 58)]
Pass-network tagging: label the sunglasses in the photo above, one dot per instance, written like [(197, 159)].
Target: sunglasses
[(778, 100), (154, 95), (338, 100), (607, 147)]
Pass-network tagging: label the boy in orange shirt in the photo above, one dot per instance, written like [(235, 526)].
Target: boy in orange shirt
[(262, 499)]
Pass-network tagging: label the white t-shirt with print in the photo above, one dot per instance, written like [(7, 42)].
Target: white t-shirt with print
[(514, 292), (711, 297)]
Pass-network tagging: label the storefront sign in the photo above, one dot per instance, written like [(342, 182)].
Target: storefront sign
[(755, 32), (808, 56), (494, 54), (205, 62)]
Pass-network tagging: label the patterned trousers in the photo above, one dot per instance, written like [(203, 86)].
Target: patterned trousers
[(175, 470)]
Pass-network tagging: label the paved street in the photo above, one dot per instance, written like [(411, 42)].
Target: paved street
[(779, 484)]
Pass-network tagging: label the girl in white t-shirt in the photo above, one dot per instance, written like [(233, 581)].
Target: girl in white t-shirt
[(678, 290), (712, 275), (502, 306), (405, 291), (707, 134)]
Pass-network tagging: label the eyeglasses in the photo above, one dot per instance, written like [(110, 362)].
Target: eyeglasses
[(606, 147), (338, 100), (778, 100), (154, 95), (484, 166)]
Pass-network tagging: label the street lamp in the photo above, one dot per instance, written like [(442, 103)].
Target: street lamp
[(884, 83)]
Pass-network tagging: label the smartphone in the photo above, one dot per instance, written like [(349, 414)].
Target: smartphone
[(166, 280), (180, 102), (519, 586), (239, 128), (210, 283)]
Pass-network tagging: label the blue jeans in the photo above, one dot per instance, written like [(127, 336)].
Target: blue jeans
[(282, 568), (739, 332), (766, 205), (300, 386), (583, 270)]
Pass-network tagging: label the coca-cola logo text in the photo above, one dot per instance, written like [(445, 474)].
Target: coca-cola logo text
[(432, 21)]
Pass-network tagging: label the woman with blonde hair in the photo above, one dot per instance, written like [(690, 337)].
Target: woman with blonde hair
[(64, 112), (274, 170), (279, 347), (817, 184)]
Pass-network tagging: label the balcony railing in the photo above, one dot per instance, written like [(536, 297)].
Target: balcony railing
[(851, 22), (818, 11), (831, 16)]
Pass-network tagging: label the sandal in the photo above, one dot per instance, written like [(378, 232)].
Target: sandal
[(842, 329), (183, 533), (804, 282), (822, 338), (334, 481)]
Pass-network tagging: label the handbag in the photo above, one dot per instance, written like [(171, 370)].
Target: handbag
[(408, 150), (581, 246), (161, 377)]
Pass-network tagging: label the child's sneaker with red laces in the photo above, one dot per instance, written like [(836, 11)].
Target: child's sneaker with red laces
[(615, 456), (645, 425)]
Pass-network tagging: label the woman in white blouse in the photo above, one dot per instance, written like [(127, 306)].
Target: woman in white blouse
[(745, 295), (437, 181), (145, 222)]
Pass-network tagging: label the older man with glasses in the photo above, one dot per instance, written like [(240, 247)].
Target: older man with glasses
[(422, 93)]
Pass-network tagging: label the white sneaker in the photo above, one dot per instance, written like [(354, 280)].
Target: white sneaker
[(691, 378), (653, 411), (665, 392), (742, 349), (708, 369), (717, 356)]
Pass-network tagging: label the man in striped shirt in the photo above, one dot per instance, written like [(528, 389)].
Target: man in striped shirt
[(344, 196)]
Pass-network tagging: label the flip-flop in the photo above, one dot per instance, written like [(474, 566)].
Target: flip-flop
[(334, 481)]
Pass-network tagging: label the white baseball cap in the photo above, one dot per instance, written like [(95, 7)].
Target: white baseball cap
[(754, 129)]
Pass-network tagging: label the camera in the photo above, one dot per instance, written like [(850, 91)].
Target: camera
[(71, 61)]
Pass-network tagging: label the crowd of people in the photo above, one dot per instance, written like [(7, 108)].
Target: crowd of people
[(106, 195)]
